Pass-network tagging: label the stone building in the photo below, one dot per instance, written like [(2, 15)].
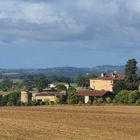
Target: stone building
[(106, 81)]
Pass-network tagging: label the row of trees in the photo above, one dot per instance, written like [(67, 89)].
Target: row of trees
[(13, 98)]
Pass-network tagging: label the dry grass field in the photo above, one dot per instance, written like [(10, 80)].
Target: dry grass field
[(70, 123)]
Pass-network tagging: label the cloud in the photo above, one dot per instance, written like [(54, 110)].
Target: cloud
[(53, 20)]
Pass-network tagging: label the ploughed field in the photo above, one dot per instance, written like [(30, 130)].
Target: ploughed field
[(70, 123)]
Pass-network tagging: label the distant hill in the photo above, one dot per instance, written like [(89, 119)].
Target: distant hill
[(64, 71)]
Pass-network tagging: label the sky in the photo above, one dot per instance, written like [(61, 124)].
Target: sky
[(78, 33)]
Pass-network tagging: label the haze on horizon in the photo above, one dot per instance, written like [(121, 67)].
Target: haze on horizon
[(79, 33)]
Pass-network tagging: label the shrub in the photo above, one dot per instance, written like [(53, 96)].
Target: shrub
[(58, 100), (52, 102), (33, 102), (108, 100), (138, 102), (133, 96), (100, 100), (46, 101), (121, 97)]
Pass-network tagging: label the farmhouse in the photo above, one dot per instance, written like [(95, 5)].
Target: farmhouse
[(27, 96), (101, 87), (89, 95), (106, 81)]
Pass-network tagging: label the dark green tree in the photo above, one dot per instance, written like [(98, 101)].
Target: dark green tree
[(61, 87), (131, 74), (80, 80), (41, 82), (13, 98), (118, 86), (6, 84), (71, 99)]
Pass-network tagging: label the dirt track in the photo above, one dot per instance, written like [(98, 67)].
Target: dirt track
[(70, 122)]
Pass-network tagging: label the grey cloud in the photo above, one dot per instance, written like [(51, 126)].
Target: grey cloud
[(48, 20)]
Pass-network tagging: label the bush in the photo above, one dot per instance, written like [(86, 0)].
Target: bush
[(138, 102), (47, 101), (100, 100), (33, 102), (121, 97), (108, 100), (58, 100), (133, 96), (52, 102)]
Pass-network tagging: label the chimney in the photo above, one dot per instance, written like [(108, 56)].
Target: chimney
[(103, 74), (114, 75)]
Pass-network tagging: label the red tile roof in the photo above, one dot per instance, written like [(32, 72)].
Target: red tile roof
[(43, 93), (94, 93), (111, 76)]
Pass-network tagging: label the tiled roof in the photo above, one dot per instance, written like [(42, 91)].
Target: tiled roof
[(43, 93), (94, 93), (111, 76)]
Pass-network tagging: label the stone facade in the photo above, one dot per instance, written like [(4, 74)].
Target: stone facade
[(98, 84), (24, 96)]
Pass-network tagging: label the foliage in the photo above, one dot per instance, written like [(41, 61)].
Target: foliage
[(122, 97), (28, 81), (133, 96), (82, 80), (108, 100), (61, 87), (100, 100), (40, 82), (13, 98), (18, 86), (47, 101), (71, 96), (138, 102), (118, 86), (6, 84), (131, 74), (33, 102)]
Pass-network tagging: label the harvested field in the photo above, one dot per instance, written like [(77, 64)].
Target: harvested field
[(70, 123)]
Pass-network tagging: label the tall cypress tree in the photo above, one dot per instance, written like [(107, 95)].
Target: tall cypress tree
[(131, 74)]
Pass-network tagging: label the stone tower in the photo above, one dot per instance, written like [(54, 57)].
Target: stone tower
[(25, 96)]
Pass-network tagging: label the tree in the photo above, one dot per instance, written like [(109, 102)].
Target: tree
[(131, 74), (71, 96), (41, 82), (28, 81), (6, 84), (80, 80), (118, 86), (61, 87), (13, 98)]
